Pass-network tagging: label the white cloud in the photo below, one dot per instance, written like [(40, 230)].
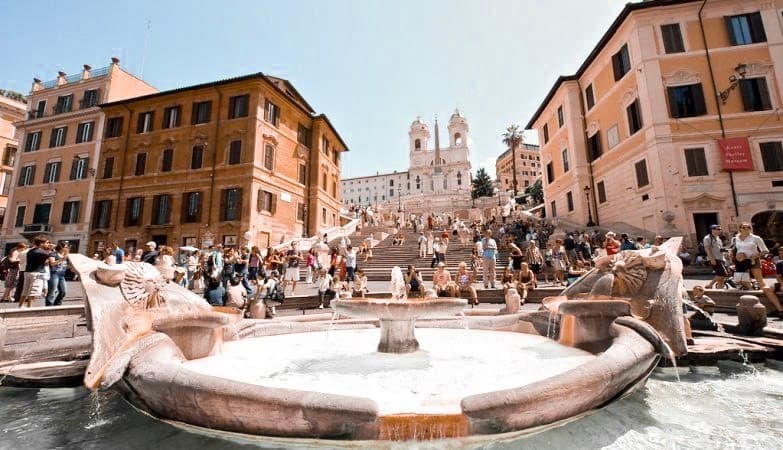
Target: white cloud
[(489, 166)]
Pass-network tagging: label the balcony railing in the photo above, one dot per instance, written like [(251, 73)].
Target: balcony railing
[(37, 228)]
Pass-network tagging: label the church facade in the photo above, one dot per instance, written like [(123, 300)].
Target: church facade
[(437, 177)]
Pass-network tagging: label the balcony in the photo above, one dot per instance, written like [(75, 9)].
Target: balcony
[(37, 228)]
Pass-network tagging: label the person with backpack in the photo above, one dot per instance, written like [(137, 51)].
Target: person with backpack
[(713, 247), (58, 265)]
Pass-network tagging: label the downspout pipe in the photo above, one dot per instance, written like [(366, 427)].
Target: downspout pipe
[(593, 204), (717, 103)]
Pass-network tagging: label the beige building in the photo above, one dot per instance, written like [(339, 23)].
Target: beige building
[(11, 111), (244, 160), (60, 143), (672, 123), (528, 167)]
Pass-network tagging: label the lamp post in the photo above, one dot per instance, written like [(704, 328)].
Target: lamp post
[(742, 70), (590, 222)]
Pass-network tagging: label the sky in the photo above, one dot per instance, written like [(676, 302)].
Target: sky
[(371, 66)]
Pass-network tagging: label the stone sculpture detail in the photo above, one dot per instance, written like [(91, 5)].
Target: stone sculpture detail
[(398, 287), (141, 286)]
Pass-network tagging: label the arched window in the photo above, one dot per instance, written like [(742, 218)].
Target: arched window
[(417, 144), (418, 182), (445, 183), (457, 139), (459, 178)]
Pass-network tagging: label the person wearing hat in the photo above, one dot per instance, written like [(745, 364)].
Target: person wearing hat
[(713, 247), (150, 255)]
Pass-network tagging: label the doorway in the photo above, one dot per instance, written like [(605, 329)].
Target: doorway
[(702, 222)]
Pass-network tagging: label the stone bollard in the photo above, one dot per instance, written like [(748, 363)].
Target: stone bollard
[(752, 316)]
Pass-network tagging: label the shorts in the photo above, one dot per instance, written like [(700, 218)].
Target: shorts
[(741, 277), (33, 284), (719, 269), (291, 274)]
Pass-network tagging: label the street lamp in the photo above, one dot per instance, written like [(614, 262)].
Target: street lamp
[(741, 70), (590, 222)]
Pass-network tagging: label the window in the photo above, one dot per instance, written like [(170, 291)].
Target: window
[(272, 113), (235, 152), (417, 144), (20, 213), (134, 208), (197, 157), (550, 173), (70, 212), (634, 117), (32, 142), (237, 106), (302, 174), (171, 117), (102, 214), (191, 207), (144, 124), (325, 145), (79, 168), (84, 132), (594, 147), (641, 174), (41, 213), (565, 160), (772, 156), (553, 207), (161, 209), (672, 38), (418, 182), (52, 172), (141, 164), (459, 180), (546, 133), (686, 101), (745, 29), (90, 98), (40, 109), (266, 201), (323, 216), (300, 211), (621, 63), (560, 119), (114, 127), (601, 192), (589, 96), (755, 96), (167, 160), (232, 202), (26, 176), (336, 157), (303, 135), (391, 183), (696, 162), (108, 167), (58, 136), (201, 112), (9, 156), (64, 104), (269, 157), (570, 201)]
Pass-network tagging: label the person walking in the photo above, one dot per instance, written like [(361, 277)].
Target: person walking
[(350, 263), (488, 259), (293, 257), (12, 277), (422, 241), (713, 246), (35, 270), (754, 248), (58, 264)]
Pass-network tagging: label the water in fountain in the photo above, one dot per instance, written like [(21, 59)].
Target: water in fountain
[(693, 305)]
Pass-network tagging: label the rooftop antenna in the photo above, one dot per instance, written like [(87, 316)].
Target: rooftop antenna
[(144, 53)]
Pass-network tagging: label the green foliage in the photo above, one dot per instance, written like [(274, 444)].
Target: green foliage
[(536, 192), (482, 184), (13, 95)]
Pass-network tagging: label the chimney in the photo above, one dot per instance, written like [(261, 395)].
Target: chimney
[(86, 72), (61, 78), (36, 85)]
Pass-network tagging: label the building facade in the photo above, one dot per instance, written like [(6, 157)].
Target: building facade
[(239, 161), (528, 167), (437, 176), (60, 143), (672, 122), (11, 112)]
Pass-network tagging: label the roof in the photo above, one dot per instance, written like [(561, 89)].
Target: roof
[(627, 10), (377, 175), (529, 147), (284, 87)]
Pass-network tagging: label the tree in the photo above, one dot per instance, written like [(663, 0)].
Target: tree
[(482, 184), (513, 138), (536, 192)]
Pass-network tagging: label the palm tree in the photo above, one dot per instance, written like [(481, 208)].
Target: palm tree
[(513, 137)]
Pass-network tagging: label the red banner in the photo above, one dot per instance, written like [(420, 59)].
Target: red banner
[(736, 153)]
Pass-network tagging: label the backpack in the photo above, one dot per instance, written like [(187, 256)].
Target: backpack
[(278, 293)]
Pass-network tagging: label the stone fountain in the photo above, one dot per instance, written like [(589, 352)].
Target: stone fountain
[(178, 359)]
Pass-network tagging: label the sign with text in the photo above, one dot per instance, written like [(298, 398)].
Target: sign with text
[(736, 153)]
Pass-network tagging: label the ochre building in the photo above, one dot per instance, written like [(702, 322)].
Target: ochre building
[(11, 112), (672, 123), (239, 161), (528, 167), (59, 146)]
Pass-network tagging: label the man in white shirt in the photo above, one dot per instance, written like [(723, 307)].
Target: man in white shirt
[(488, 258)]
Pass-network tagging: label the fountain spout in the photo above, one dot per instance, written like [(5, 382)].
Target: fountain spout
[(398, 287), (603, 286)]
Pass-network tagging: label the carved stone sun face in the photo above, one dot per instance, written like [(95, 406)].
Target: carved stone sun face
[(141, 285)]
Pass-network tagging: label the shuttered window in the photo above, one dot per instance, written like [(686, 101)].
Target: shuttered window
[(696, 162)]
